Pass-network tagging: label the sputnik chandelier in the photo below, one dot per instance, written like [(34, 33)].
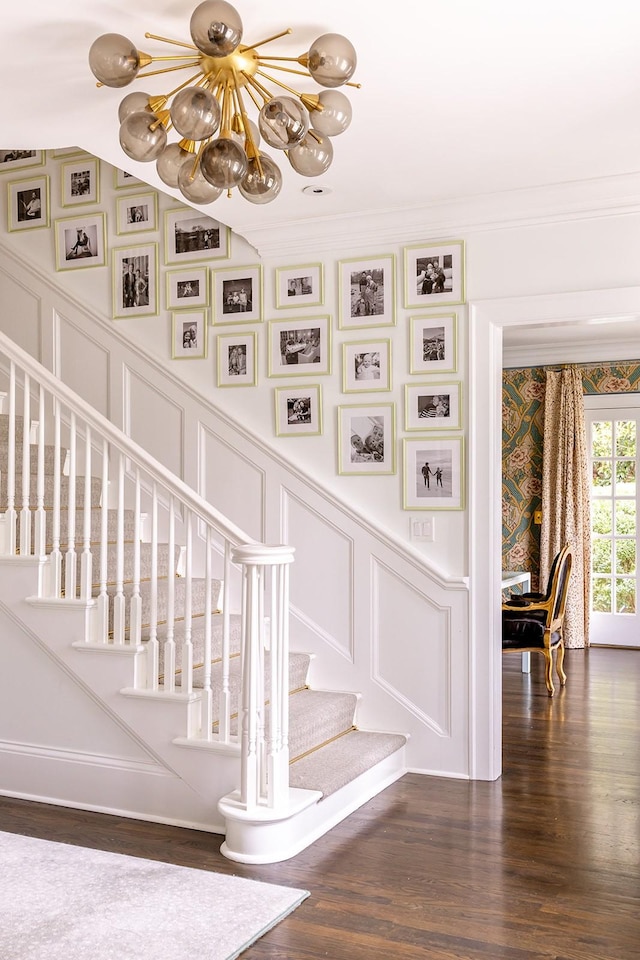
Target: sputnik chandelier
[(219, 145)]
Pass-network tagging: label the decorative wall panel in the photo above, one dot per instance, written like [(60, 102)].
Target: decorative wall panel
[(90, 378), (233, 483), (153, 421), (21, 314)]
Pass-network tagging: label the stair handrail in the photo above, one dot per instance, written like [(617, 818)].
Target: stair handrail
[(264, 751)]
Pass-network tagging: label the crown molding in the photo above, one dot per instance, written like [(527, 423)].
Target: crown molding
[(554, 203)]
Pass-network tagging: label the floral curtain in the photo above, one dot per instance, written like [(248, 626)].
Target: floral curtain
[(565, 495)]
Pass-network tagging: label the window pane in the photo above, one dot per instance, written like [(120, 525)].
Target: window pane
[(601, 556), (601, 520), (602, 474), (601, 438), (601, 600), (626, 478), (625, 518), (625, 596), (625, 556), (625, 438)]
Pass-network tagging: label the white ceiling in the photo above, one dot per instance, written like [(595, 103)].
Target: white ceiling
[(458, 99)]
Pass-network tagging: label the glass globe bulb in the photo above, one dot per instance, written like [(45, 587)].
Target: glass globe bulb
[(311, 157), (193, 185), (335, 116), (169, 162), (140, 138), (332, 60), (216, 28), (224, 163), (261, 187), (195, 113), (283, 122), (136, 102), (114, 60)]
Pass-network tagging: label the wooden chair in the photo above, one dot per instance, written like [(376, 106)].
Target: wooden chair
[(533, 622)]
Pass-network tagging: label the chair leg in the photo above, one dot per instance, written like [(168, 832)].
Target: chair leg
[(548, 671), (559, 664)]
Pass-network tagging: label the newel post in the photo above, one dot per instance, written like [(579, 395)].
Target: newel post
[(264, 750)]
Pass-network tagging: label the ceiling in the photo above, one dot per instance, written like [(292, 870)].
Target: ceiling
[(458, 99)]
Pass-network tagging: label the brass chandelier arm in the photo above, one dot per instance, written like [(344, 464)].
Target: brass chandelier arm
[(296, 93), (176, 43), (155, 73), (252, 153), (262, 90), (300, 73), (261, 43)]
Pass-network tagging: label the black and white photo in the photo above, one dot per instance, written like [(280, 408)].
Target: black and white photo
[(189, 335), (367, 292), (433, 406), (433, 344), (433, 474), (135, 281), (190, 236), (300, 286), (80, 242), (236, 359), (299, 347), (188, 287), (298, 411), (28, 203), (80, 182), (366, 366), (366, 439), (434, 274), (237, 294), (136, 213), (18, 159)]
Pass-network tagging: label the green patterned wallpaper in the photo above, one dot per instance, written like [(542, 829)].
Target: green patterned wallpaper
[(522, 425)]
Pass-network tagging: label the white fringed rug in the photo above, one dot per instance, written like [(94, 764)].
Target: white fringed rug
[(61, 902)]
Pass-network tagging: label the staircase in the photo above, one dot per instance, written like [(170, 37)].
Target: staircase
[(193, 617)]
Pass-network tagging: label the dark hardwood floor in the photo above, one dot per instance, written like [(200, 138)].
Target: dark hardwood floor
[(544, 863)]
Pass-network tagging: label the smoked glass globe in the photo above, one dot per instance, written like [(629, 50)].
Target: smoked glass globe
[(114, 60), (283, 122), (195, 113), (312, 157), (136, 102), (193, 185), (142, 137), (335, 116), (261, 187), (332, 60), (169, 162), (216, 28), (224, 163)]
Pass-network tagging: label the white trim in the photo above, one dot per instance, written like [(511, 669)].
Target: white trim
[(486, 321)]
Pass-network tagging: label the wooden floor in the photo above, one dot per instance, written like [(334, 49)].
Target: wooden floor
[(544, 863)]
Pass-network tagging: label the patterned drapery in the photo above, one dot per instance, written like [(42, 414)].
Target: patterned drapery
[(565, 495)]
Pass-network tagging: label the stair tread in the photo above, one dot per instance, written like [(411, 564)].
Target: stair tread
[(335, 764)]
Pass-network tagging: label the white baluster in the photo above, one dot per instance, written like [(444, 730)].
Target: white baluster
[(55, 557), (169, 644), (103, 596), (119, 605), (11, 516), (207, 697), (25, 513), (135, 603), (70, 557), (225, 696), (40, 520), (86, 559), (152, 646), (186, 677)]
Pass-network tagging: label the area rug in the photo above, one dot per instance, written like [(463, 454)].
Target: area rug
[(61, 902)]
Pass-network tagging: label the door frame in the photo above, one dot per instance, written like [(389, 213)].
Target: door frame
[(487, 320)]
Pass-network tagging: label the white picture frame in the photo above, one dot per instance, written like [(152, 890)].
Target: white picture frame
[(81, 241), (237, 359), (190, 236), (237, 294), (366, 366), (187, 288), (423, 488), (137, 213), (80, 182), (434, 274), (189, 335), (433, 406), (366, 295), (135, 281), (433, 343), (299, 286), (300, 347), (366, 439), (28, 203), (298, 410)]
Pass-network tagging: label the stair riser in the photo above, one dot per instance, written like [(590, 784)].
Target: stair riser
[(164, 566), (49, 459), (48, 492), (180, 590)]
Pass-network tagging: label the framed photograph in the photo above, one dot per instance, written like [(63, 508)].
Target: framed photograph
[(80, 242), (366, 439), (434, 274), (433, 474), (123, 179), (190, 236), (189, 335), (187, 288), (366, 366), (18, 159), (237, 360), (80, 182), (432, 406), (237, 295), (28, 203), (433, 344), (300, 286), (135, 281), (66, 152), (300, 347), (298, 411), (367, 292), (136, 213)]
